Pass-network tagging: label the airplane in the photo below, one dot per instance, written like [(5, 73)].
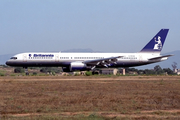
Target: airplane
[(89, 61)]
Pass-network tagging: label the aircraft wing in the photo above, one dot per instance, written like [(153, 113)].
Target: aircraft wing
[(102, 62), (156, 58)]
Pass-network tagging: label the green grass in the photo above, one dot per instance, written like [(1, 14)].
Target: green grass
[(2, 74), (57, 117)]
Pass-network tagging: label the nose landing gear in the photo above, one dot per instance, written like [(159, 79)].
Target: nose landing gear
[(26, 71)]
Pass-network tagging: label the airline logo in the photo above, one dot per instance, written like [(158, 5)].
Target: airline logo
[(158, 43), (41, 55)]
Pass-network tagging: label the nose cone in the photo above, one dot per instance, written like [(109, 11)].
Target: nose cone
[(8, 62)]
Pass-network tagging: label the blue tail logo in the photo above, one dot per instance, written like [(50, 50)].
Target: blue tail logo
[(156, 44)]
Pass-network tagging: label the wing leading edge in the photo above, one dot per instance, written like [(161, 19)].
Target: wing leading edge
[(106, 62)]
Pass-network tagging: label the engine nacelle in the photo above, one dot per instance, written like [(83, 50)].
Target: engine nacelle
[(78, 66)]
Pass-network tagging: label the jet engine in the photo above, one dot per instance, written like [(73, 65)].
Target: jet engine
[(76, 66)]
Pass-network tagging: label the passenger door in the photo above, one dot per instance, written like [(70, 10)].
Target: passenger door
[(140, 58), (24, 58), (57, 58)]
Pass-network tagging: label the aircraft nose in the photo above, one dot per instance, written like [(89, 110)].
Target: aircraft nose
[(8, 62)]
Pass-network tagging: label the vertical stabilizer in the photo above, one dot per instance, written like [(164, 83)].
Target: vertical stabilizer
[(156, 43)]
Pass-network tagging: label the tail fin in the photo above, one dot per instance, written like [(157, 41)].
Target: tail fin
[(156, 43)]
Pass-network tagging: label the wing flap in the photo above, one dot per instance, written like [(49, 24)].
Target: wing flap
[(102, 62)]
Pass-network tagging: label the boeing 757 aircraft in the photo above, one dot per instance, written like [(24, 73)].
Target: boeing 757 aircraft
[(89, 61)]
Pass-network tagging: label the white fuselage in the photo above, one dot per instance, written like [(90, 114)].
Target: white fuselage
[(64, 59)]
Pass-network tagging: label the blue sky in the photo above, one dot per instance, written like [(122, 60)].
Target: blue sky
[(102, 25)]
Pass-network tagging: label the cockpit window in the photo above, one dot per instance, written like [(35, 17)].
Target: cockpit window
[(14, 58)]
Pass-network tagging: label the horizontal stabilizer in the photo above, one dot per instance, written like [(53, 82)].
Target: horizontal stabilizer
[(155, 58)]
